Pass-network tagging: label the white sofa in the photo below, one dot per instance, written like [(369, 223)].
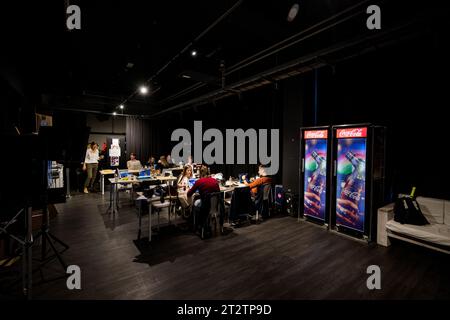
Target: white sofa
[(435, 236)]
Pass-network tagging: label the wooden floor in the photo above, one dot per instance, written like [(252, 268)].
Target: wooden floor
[(278, 259)]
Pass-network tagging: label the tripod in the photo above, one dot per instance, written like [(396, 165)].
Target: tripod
[(26, 242), (47, 236)]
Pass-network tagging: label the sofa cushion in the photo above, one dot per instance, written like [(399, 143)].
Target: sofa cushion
[(447, 213), (432, 209), (433, 233)]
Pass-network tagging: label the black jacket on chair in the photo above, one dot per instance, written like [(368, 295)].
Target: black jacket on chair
[(241, 203), (205, 208)]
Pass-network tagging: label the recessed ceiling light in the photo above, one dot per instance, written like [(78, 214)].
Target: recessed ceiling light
[(193, 53), (143, 90), (186, 76), (121, 107), (114, 113), (293, 12)]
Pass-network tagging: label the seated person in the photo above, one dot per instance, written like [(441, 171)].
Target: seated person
[(205, 185), (183, 179), (183, 185), (263, 179), (133, 163), (170, 161), (151, 163), (162, 164), (191, 163)]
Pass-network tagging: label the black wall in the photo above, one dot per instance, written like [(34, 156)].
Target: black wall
[(402, 87)]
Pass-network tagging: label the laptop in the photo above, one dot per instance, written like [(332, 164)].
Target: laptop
[(192, 182), (123, 174), (144, 174)]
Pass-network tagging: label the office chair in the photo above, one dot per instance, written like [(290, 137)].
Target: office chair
[(241, 205), (212, 210), (263, 201)]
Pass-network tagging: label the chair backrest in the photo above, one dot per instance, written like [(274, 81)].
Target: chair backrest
[(212, 204), (215, 201), (241, 201), (267, 192)]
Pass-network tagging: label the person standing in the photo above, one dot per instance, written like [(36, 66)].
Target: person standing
[(91, 165)]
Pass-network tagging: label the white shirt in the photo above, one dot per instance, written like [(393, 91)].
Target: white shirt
[(91, 156), (134, 164)]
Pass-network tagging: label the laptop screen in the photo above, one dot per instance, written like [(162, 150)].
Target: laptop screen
[(144, 173), (123, 174), (192, 182)]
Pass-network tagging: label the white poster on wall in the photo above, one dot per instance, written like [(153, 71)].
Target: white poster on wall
[(114, 153)]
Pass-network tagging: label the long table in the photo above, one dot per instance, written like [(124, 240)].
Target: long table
[(124, 181), (224, 189), (108, 172)]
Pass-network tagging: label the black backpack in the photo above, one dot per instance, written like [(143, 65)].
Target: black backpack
[(407, 211)]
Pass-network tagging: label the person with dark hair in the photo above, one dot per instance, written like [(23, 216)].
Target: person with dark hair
[(151, 163), (91, 165), (263, 179), (133, 163)]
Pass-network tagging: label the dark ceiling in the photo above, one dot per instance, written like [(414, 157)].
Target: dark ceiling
[(121, 45)]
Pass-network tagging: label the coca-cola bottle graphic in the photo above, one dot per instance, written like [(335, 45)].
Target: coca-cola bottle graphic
[(316, 187), (352, 192)]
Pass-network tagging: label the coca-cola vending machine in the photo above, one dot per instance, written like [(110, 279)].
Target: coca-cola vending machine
[(358, 153), (314, 173)]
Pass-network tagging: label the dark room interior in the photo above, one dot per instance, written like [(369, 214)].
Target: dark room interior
[(178, 150)]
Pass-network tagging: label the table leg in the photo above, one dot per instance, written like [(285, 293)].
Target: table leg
[(113, 190), (110, 198), (102, 182), (150, 223), (141, 203)]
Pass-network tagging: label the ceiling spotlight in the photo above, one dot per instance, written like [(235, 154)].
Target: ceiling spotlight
[(193, 53), (186, 76), (121, 107), (143, 90), (114, 113), (293, 12)]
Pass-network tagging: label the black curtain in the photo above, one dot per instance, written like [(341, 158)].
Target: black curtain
[(142, 138)]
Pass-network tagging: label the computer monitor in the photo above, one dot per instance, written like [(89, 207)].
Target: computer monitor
[(241, 175)]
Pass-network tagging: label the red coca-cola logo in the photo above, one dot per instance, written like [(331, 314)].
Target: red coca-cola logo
[(352, 133), (316, 134)]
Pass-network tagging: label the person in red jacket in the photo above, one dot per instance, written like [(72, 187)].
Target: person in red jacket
[(205, 185)]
